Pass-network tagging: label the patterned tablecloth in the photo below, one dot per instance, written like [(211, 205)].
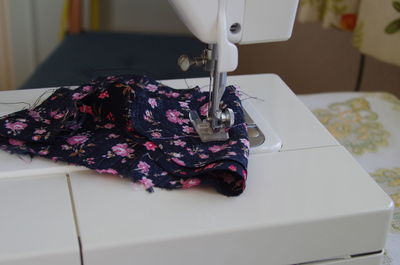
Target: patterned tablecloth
[(368, 125)]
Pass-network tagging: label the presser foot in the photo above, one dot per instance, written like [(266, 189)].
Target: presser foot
[(207, 134), (205, 131)]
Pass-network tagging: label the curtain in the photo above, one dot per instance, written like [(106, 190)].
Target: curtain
[(375, 23)]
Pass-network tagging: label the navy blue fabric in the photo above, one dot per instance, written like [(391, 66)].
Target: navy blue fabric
[(135, 127), (83, 57)]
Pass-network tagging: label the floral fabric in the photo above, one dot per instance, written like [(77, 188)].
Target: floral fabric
[(376, 24), (135, 127)]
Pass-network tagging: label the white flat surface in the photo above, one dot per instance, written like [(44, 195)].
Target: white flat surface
[(36, 222), (321, 206), (309, 202)]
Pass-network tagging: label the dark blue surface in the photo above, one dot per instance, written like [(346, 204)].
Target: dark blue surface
[(83, 57)]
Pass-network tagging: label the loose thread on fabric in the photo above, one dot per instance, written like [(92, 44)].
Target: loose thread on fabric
[(39, 100), (36, 103), (29, 105), (251, 97), (16, 103)]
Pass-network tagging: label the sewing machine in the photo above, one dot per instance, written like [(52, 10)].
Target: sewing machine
[(310, 203), (221, 24)]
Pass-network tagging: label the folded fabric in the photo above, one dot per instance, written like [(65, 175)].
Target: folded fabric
[(135, 127)]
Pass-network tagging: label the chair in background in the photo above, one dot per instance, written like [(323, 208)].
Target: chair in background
[(84, 55)]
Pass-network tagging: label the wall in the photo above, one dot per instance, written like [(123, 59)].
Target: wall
[(318, 60), (34, 26), (148, 16), (6, 71)]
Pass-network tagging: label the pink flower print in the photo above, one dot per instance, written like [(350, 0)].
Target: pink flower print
[(77, 96), (232, 168), (86, 109), (34, 114), (187, 129), (151, 88), (203, 156), (204, 109), (122, 149), (90, 160), (77, 139), (212, 165), (65, 147), (178, 161), (150, 146), (172, 95), (216, 148), (156, 134), (237, 91), (15, 142), (183, 104), (104, 95), (58, 116), (174, 116), (55, 115), (244, 173), (36, 137), (148, 116), (191, 152), (245, 142), (186, 184), (228, 179), (109, 126), (131, 82), (87, 88), (16, 126), (107, 171), (143, 167), (179, 143), (39, 131), (148, 183), (153, 102), (113, 136), (232, 153), (201, 98), (110, 116), (43, 152)]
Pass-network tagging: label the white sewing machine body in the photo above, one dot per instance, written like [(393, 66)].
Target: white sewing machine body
[(309, 203)]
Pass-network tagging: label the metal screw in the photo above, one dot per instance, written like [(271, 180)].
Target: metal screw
[(235, 28)]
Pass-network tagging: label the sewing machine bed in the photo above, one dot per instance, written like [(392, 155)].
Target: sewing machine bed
[(368, 125), (310, 203)]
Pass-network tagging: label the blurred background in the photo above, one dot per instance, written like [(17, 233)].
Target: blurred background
[(38, 48)]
